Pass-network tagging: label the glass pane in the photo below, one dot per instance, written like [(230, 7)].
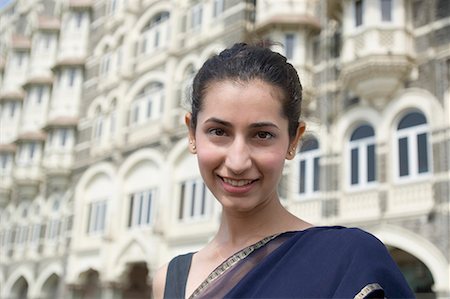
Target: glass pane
[(203, 200), (403, 158), (193, 199), (411, 120), (180, 211), (358, 12), (422, 152), (289, 45), (362, 132), (149, 207), (371, 163), (309, 144), (386, 10), (316, 183), (130, 213), (141, 208), (355, 166), (302, 176)]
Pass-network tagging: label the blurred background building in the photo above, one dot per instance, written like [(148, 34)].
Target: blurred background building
[(98, 189)]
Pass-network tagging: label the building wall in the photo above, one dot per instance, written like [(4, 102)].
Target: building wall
[(97, 183)]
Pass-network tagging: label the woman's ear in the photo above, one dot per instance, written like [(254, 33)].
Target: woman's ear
[(292, 150), (191, 133)]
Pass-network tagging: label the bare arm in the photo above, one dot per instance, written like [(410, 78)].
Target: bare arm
[(159, 282)]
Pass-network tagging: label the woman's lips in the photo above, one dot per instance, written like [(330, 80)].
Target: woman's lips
[(237, 186)]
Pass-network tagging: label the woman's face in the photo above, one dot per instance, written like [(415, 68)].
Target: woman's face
[(242, 142)]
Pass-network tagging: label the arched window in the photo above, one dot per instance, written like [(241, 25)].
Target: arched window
[(148, 104), (195, 200), (412, 146), (54, 222), (155, 34), (98, 124), (309, 167), (362, 156)]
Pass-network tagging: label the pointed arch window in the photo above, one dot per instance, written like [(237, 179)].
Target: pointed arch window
[(309, 167), (148, 105), (195, 200), (412, 144), (362, 156), (155, 34)]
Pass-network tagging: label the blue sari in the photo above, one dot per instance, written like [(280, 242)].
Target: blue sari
[(320, 262)]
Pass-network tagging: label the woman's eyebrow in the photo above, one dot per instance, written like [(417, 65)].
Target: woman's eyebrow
[(228, 124), (219, 121)]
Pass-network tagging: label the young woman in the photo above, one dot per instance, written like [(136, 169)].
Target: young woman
[(244, 124)]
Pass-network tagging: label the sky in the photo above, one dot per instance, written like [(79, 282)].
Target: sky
[(3, 3)]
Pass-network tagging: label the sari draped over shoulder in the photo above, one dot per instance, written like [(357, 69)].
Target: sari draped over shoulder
[(320, 262)]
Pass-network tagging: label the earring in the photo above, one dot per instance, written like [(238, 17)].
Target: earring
[(292, 151), (193, 144)]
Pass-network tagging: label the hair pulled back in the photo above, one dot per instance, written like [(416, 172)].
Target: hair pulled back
[(243, 62)]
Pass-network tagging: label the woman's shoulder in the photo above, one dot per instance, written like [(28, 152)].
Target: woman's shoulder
[(351, 238), (159, 282)]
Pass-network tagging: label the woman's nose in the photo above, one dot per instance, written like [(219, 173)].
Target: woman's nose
[(238, 157)]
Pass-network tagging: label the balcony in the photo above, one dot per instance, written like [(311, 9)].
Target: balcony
[(7, 152), (376, 62), (406, 200), (28, 173)]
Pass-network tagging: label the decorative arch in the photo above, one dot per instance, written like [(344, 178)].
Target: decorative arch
[(150, 12), (190, 59), (420, 247), (106, 42), (412, 99), (213, 49), (157, 77), (97, 103), (22, 271), (352, 119), (102, 168), (135, 246), (54, 268), (144, 154)]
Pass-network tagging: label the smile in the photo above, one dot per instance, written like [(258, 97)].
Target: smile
[(237, 183)]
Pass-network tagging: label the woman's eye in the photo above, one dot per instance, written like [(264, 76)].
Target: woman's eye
[(264, 135), (216, 132)]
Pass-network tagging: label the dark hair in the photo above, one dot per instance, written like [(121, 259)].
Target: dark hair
[(245, 62)]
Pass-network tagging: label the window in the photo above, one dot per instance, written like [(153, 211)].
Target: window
[(155, 34), (35, 234), (359, 6), (362, 156), (98, 127), (412, 146), (289, 44), (386, 10), (104, 64), (194, 200), (5, 163), (53, 229), (39, 94), (218, 7), (28, 153), (97, 216), (196, 16), (78, 18), (141, 208), (72, 76), (309, 167), (148, 104)]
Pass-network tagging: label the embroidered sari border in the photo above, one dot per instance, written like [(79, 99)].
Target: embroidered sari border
[(230, 262), (367, 290)]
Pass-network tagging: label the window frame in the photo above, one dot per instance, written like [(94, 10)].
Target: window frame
[(362, 145), (144, 209), (194, 206), (310, 157), (411, 133)]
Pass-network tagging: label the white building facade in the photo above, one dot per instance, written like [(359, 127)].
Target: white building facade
[(97, 186)]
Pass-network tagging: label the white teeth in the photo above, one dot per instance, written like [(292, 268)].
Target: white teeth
[(237, 183)]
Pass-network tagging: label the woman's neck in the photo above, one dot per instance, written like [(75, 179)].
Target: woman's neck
[(238, 230)]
